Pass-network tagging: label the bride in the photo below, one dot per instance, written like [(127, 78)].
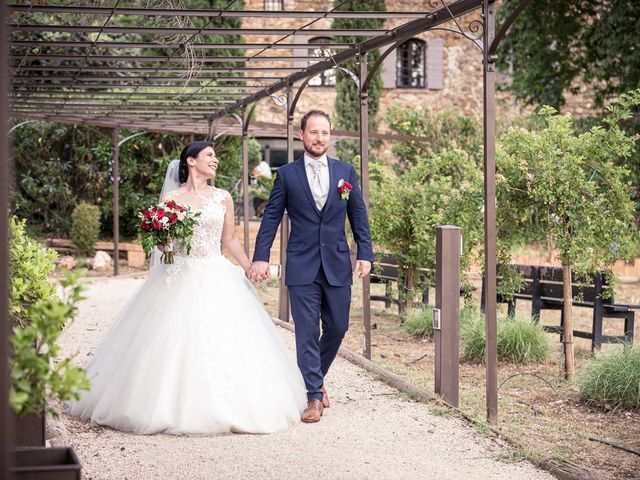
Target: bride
[(194, 351)]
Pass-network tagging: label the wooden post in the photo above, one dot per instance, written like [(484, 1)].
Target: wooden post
[(567, 331), (447, 333)]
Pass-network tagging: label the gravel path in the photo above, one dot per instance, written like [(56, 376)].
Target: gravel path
[(370, 432)]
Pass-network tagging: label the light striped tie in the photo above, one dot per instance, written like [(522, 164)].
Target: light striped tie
[(316, 185)]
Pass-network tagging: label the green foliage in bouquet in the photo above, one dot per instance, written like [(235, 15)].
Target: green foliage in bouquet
[(168, 222), (30, 265), (36, 372), (85, 227)]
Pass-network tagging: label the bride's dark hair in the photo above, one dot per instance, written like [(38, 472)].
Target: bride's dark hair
[(191, 150)]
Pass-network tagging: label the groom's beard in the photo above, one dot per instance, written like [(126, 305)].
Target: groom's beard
[(315, 150)]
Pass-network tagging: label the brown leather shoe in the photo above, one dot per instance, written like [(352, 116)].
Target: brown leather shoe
[(325, 397), (313, 412)]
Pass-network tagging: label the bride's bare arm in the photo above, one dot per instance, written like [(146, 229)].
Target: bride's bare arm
[(230, 240)]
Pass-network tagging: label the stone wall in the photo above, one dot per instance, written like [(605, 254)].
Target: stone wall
[(462, 83)]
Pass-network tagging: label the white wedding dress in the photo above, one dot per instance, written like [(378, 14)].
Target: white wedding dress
[(194, 351)]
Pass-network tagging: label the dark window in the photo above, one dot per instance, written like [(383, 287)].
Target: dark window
[(328, 77), (278, 157), (273, 5), (410, 64)]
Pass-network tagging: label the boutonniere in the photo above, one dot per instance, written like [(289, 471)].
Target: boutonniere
[(344, 188)]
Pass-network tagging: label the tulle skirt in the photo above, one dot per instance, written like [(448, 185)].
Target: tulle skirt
[(194, 352)]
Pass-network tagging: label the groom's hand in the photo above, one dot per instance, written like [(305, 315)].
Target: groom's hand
[(260, 271), (363, 268)]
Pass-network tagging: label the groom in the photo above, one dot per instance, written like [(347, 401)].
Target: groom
[(318, 193)]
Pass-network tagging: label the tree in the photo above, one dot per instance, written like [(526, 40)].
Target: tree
[(444, 130), (435, 182), (556, 45), (572, 183), (347, 92), (406, 208)]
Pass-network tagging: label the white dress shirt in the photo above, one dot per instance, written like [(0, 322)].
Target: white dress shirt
[(321, 192)]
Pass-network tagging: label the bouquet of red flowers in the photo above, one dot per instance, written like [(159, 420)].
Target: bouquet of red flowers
[(164, 223)]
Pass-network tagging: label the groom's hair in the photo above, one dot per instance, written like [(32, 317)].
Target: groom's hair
[(312, 113)]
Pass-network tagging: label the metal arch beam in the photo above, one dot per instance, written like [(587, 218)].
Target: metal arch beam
[(434, 19), (291, 108), (152, 45), (378, 64), (364, 180), (130, 137), (490, 200), (472, 39), (246, 119), (15, 127), (284, 310), (505, 26), (116, 203), (211, 13), (13, 27)]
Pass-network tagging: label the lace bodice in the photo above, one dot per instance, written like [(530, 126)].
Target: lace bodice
[(207, 235)]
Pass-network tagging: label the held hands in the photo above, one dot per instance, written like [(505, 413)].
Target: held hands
[(363, 268), (258, 271)]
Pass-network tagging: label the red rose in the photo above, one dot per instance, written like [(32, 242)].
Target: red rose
[(157, 225), (173, 218), (160, 213), (346, 187), (147, 214), (179, 208), (145, 226), (170, 204)]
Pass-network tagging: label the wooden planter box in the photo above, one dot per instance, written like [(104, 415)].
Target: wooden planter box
[(45, 464), (29, 430)]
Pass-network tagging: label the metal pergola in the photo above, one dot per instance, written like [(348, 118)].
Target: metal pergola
[(107, 67)]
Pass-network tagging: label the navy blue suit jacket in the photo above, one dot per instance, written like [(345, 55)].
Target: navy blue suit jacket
[(317, 237)]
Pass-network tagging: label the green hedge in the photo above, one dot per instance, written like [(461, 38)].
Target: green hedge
[(30, 265)]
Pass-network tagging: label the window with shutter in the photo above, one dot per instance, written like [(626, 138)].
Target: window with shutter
[(410, 64), (273, 5)]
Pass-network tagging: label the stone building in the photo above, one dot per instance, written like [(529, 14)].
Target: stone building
[(435, 70)]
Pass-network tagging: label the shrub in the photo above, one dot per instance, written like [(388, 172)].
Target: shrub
[(85, 227), (30, 266), (519, 341), (612, 379), (35, 376), (419, 322)]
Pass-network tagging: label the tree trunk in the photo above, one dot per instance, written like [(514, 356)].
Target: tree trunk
[(567, 331), (406, 293)]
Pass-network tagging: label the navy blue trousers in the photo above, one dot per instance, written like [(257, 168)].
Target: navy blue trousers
[(311, 305)]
